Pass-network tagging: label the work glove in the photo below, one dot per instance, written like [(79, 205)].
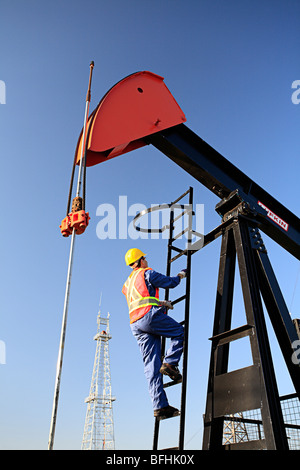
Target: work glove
[(167, 304), (182, 273)]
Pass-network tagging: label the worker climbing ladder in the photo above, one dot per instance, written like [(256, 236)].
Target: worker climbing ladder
[(186, 299), (186, 211)]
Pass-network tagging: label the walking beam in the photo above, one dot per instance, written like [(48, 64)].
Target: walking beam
[(140, 110)]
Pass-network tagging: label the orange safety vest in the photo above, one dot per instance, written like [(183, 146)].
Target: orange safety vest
[(137, 295)]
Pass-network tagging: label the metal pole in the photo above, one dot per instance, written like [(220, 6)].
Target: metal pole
[(87, 105), (61, 346), (68, 284)]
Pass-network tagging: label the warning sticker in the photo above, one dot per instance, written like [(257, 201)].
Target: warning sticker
[(275, 217)]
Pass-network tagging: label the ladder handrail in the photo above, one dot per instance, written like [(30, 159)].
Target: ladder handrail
[(185, 298)]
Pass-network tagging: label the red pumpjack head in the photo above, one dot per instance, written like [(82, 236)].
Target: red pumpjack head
[(137, 106)]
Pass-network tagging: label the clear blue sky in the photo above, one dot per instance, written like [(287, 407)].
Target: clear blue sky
[(230, 65)]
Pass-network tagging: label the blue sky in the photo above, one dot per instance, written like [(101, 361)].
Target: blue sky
[(230, 65)]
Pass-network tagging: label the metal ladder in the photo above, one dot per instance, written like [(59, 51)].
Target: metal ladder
[(184, 298)]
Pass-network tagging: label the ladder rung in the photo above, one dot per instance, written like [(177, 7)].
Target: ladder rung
[(161, 418), (186, 211), (183, 252), (171, 383), (180, 233), (174, 302), (179, 250)]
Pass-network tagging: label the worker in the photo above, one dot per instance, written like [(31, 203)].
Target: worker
[(149, 322)]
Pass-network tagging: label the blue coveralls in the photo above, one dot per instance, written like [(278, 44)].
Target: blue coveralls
[(148, 331)]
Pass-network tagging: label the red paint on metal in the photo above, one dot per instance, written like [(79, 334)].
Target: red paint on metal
[(137, 106)]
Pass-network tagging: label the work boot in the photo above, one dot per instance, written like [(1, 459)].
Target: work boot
[(171, 371), (166, 412)]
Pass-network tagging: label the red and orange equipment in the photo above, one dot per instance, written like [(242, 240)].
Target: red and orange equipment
[(78, 219)]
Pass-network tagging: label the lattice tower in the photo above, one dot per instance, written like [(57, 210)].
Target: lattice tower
[(235, 431), (99, 426)]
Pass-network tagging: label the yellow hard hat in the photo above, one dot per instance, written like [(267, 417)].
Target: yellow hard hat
[(133, 255)]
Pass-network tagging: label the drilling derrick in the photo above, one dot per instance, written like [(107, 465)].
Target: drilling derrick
[(99, 426), (235, 430)]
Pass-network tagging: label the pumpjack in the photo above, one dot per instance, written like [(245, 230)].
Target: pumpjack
[(140, 110)]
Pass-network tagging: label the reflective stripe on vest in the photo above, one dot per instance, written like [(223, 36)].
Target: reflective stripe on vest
[(137, 295)]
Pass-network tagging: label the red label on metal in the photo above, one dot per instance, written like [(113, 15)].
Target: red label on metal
[(275, 217)]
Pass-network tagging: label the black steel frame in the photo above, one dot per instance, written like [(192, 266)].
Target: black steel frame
[(255, 386), (246, 208), (252, 387)]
